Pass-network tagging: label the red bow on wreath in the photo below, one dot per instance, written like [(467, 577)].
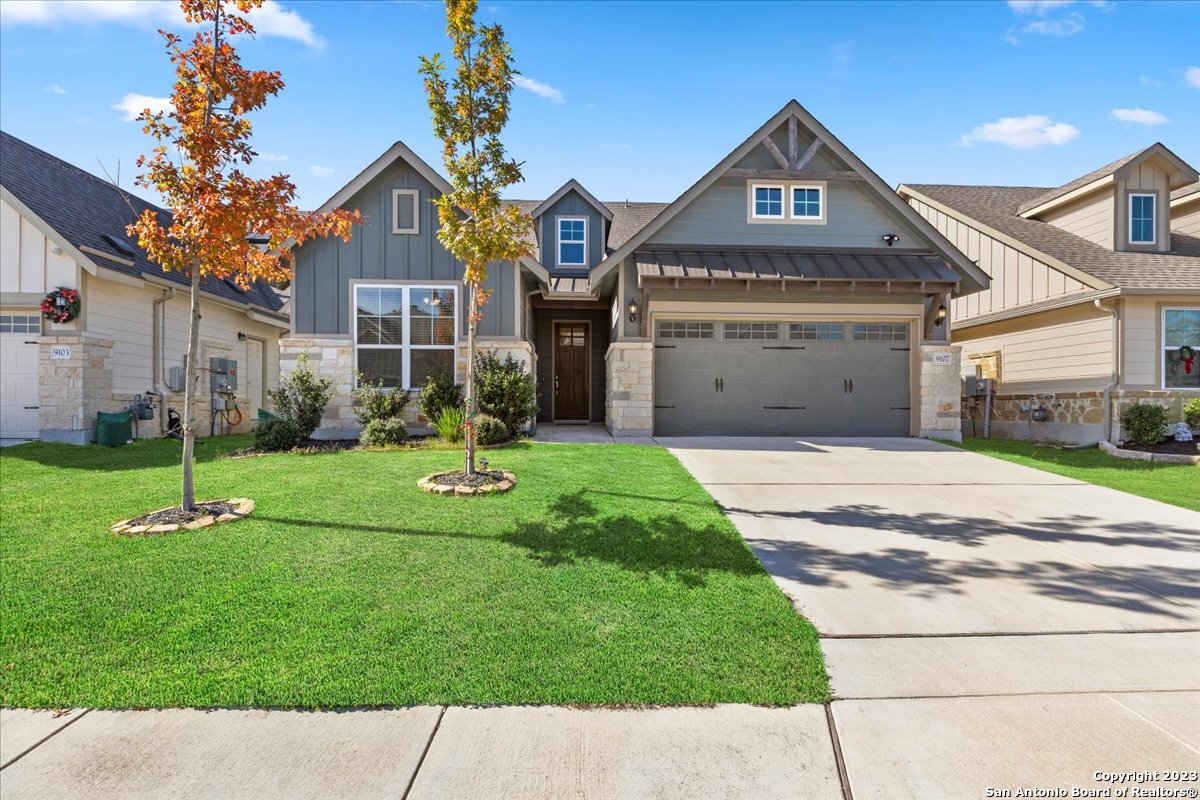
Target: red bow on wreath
[(1188, 356)]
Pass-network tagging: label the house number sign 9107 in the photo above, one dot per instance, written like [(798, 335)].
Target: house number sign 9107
[(60, 352), (942, 359)]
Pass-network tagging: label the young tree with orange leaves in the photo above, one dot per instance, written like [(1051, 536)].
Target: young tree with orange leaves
[(203, 143), (469, 112)]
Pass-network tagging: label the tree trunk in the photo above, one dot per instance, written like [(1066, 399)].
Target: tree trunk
[(472, 404), (189, 395)]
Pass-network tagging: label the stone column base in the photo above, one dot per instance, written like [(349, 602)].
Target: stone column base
[(72, 390), (629, 388), (941, 393)]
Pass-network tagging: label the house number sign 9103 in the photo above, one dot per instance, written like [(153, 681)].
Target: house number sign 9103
[(60, 352)]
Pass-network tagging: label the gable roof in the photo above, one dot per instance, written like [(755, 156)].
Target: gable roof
[(1047, 197), (974, 279), (997, 208), (577, 187), (91, 213), (397, 151), (1183, 192)]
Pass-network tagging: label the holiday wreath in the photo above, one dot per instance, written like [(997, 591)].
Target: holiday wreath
[(61, 305)]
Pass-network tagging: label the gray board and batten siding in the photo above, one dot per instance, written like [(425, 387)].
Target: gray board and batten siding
[(325, 268), (572, 204)]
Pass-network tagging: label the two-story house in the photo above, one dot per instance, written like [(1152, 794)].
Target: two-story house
[(789, 291), (1095, 295)]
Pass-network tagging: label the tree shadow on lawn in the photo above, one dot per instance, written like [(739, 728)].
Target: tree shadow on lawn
[(142, 454), (575, 532)]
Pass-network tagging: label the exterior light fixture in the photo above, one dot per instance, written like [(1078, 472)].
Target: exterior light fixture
[(941, 315), (241, 336), (891, 238), (633, 310)]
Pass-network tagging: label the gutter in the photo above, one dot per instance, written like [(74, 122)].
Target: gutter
[(157, 346), (1116, 365)]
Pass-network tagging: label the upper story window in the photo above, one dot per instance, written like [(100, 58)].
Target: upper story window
[(404, 334), (768, 202), (572, 241), (807, 202), (1141, 218), (406, 212), (1181, 343)]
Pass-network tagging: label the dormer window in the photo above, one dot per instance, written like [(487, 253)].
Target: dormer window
[(572, 241), (807, 202), (768, 202), (1142, 218), (406, 214)]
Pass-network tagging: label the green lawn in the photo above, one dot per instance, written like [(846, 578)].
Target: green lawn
[(608, 576), (1169, 483)]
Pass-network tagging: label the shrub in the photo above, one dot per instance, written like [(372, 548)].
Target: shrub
[(449, 424), (505, 390), (373, 402), (273, 435), (1144, 423), (489, 430), (439, 392), (301, 397), (1191, 412), (384, 432)]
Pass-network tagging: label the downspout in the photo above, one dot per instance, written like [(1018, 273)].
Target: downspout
[(531, 334), (1116, 365), (157, 355)]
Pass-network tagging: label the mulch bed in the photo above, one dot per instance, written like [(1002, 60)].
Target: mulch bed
[(169, 520), (177, 516), (1170, 446), (484, 481), (480, 478), (304, 447)]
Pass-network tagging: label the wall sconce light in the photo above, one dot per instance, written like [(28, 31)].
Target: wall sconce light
[(633, 310), (891, 238), (941, 315), (241, 336)]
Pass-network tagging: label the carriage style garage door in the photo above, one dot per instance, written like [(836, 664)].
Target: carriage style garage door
[(19, 375), (729, 378)]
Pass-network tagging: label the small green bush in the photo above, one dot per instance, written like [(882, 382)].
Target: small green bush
[(1191, 412), (505, 390), (439, 392), (301, 397), (373, 402), (384, 432), (274, 435), (449, 424), (1144, 423), (489, 430)]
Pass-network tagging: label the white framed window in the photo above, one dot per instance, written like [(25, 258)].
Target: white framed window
[(766, 200), (1180, 330), (1142, 208), (879, 332), (572, 241), (808, 201), (751, 330), (403, 334), (20, 323), (406, 211)]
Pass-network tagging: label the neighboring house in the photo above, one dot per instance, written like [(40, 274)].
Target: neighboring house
[(60, 226), (789, 291), (1095, 288)]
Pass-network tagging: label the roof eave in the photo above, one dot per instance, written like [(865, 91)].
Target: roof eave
[(562, 192)]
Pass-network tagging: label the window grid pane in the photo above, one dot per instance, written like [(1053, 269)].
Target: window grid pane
[(19, 323), (1181, 328), (685, 330), (432, 335), (751, 330), (817, 331), (1141, 219), (880, 332), (806, 202), (768, 201)]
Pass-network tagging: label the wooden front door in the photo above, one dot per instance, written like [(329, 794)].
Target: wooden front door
[(571, 371)]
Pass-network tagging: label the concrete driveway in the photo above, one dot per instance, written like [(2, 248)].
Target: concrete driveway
[(984, 624)]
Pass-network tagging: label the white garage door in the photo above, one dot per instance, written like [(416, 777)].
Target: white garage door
[(730, 378), (19, 376)]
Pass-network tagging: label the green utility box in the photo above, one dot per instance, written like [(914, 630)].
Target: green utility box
[(114, 430), (265, 416)]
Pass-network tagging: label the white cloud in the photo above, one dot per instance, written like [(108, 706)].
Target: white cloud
[(1146, 80), (544, 90), (1191, 77), (133, 104), (1062, 27), (1139, 115), (1024, 133), (842, 52), (54, 88), (322, 172), (1037, 6), (272, 157), (82, 120), (272, 19)]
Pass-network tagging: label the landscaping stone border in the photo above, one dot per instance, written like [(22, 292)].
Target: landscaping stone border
[(430, 485), (1138, 455), (244, 505)]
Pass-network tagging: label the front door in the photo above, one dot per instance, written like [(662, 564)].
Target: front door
[(570, 372)]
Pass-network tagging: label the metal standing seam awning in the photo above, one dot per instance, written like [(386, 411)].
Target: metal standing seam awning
[(880, 270)]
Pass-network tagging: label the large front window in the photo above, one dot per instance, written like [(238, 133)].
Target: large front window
[(1181, 348), (404, 334), (1141, 218), (572, 242)]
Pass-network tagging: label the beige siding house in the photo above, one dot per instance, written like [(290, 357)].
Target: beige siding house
[(62, 227), (1095, 288)]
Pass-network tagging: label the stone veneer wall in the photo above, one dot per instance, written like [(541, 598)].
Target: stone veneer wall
[(334, 359), (941, 394), (629, 388), (72, 390), (1075, 417)]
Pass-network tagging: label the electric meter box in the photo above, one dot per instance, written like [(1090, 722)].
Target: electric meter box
[(222, 375), (977, 387)]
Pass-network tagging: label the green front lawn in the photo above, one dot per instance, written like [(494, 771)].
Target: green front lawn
[(1169, 483), (608, 576)]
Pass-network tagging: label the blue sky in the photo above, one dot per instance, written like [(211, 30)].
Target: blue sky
[(638, 100)]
